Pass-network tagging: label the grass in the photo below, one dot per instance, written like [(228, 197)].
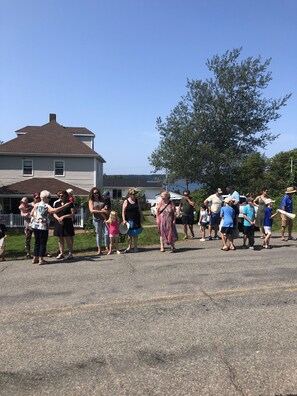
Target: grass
[(84, 241)]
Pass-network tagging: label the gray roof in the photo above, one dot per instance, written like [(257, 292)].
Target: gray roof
[(37, 184), (126, 181), (51, 138)]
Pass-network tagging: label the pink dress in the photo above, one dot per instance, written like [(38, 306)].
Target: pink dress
[(166, 227), (114, 228)]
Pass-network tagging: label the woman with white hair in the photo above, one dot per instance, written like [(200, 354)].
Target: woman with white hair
[(40, 225), (165, 216)]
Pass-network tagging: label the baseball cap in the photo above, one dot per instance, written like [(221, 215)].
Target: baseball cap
[(219, 191)]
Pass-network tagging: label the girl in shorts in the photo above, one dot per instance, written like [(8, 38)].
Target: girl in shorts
[(268, 222), (113, 225), (203, 221)]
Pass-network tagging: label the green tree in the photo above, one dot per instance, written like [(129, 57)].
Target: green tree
[(177, 152), (251, 175), (282, 171), (219, 122)]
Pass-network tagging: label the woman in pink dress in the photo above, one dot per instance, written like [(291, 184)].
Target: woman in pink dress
[(165, 216)]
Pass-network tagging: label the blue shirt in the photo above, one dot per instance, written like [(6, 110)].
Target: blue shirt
[(228, 214), (236, 196), (267, 219), (249, 211), (287, 203)]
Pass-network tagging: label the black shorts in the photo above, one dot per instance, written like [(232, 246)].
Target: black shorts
[(227, 230), (248, 230), (188, 219)]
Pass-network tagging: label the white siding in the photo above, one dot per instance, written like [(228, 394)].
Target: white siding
[(78, 171)]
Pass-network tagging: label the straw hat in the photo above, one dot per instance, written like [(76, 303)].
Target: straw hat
[(290, 190)]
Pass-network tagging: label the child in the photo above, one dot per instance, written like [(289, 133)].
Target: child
[(3, 236), (228, 216), (268, 222), (203, 221), (113, 225), (249, 215), (107, 206)]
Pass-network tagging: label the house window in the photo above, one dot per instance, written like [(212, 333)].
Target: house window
[(59, 168), (27, 167), (116, 194)]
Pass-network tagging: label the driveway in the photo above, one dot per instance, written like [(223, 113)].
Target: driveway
[(197, 322)]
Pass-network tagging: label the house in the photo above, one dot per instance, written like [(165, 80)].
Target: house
[(51, 157), (118, 186)]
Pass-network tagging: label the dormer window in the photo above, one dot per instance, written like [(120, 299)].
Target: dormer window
[(59, 167), (27, 167)]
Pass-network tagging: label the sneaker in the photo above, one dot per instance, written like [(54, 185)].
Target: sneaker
[(60, 256), (216, 238), (210, 238), (265, 246), (70, 256), (118, 252), (251, 247), (202, 240)]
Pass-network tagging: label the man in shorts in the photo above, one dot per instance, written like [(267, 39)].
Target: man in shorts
[(287, 205), (214, 201), (187, 206)]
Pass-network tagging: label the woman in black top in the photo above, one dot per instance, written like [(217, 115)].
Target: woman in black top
[(131, 213), (64, 225)]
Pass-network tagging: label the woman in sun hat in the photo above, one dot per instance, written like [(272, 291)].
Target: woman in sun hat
[(131, 213), (287, 206)]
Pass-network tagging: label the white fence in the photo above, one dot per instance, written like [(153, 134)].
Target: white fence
[(12, 220)]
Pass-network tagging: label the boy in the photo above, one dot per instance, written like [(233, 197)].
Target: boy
[(249, 215), (268, 222), (228, 216)]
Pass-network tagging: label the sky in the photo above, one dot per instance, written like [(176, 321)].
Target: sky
[(114, 66)]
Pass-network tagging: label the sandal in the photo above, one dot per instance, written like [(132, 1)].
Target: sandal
[(35, 261), (225, 249), (43, 262), (162, 250)]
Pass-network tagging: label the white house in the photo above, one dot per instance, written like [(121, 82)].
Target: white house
[(51, 157)]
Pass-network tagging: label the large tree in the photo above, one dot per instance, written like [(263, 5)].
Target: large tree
[(219, 122)]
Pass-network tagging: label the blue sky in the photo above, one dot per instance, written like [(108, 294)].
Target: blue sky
[(114, 66)]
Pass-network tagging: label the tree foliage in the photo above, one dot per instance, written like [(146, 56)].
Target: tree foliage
[(219, 122)]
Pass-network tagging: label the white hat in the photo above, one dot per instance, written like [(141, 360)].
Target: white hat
[(268, 201)]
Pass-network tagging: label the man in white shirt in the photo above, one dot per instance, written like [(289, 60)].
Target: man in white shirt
[(214, 202)]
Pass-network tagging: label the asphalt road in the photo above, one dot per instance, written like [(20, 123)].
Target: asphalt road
[(197, 322)]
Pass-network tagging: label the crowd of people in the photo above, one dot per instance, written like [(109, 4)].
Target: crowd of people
[(218, 216)]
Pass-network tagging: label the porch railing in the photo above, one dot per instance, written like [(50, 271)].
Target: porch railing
[(12, 220)]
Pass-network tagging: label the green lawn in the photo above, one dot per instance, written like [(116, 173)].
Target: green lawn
[(84, 241)]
